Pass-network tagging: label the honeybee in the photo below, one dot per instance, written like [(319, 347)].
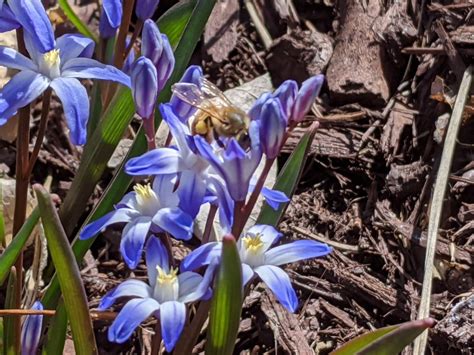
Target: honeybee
[(216, 115)]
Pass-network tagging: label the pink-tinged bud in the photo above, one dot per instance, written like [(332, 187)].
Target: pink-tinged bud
[(146, 8), (157, 48), (144, 86), (287, 93), (306, 96), (31, 331), (272, 127)]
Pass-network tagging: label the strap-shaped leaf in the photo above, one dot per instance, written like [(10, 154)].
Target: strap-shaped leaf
[(288, 178), (226, 305), (10, 339), (385, 341), (69, 277), (11, 253)]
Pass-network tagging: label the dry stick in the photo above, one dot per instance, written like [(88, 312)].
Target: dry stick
[(107, 316), (259, 25), (437, 203), (21, 193), (41, 131), (136, 33)]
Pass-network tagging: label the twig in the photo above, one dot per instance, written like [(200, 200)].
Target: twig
[(259, 25), (437, 203), (95, 315), (337, 245)]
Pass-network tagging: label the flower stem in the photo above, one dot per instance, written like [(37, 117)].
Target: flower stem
[(239, 220), (247, 209), (122, 34), (149, 126), (21, 195), (41, 131), (209, 223), (136, 33)]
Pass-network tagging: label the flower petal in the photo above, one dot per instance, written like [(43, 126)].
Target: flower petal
[(188, 283), (21, 90), (182, 109), (86, 68), (279, 283), (172, 318), (73, 46), (164, 187), (7, 20), (116, 216), (155, 162), (156, 255), (299, 250), (200, 291), (73, 96), (34, 20), (306, 96), (274, 197), (174, 221), (10, 58), (286, 93), (131, 316), (201, 256), (247, 274), (128, 288), (191, 191), (133, 239)]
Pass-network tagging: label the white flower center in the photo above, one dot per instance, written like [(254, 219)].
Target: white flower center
[(166, 285), (252, 253), (147, 201), (50, 64)]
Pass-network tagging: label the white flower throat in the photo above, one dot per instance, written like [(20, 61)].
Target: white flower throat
[(253, 250), (49, 64), (147, 201), (166, 285)]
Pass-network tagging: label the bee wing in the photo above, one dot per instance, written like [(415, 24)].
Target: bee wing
[(189, 93), (212, 91)]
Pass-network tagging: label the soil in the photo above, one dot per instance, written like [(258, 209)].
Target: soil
[(393, 69)]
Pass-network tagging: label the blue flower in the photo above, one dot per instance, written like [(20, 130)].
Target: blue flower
[(31, 331), (164, 297), (146, 8), (110, 18), (145, 210), (31, 15), (157, 48), (144, 87), (59, 69), (258, 257)]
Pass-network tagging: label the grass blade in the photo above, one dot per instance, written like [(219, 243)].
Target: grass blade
[(226, 304), (9, 334), (385, 341), (75, 20), (56, 336), (11, 253), (437, 202), (288, 178), (69, 277)]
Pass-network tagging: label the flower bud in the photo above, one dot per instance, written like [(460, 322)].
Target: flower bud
[(31, 331), (272, 127), (306, 96), (157, 48), (144, 86), (146, 8), (110, 18), (287, 93)]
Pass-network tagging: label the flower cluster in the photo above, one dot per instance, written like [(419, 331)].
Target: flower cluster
[(201, 168)]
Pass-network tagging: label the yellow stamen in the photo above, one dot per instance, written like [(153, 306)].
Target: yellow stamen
[(163, 277), (51, 58), (253, 243), (144, 191)]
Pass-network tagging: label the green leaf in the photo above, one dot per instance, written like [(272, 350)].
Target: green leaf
[(56, 337), (69, 277), (194, 15), (9, 336), (11, 253), (226, 305), (288, 179), (385, 341), (2, 224), (75, 20), (183, 24)]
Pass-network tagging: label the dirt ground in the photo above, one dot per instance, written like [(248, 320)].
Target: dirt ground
[(393, 69)]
